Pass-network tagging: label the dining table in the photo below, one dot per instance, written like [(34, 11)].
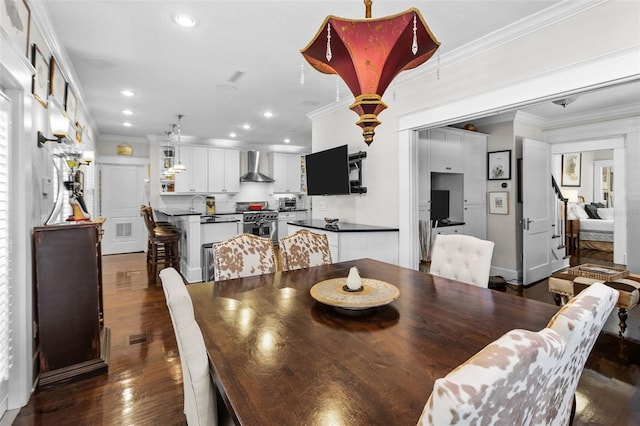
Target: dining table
[(278, 355)]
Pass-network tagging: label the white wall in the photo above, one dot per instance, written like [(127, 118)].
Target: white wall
[(495, 75), (379, 170), (29, 207)]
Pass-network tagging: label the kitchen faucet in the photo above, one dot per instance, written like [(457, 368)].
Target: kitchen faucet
[(192, 209)]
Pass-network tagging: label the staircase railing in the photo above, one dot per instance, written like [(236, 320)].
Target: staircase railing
[(560, 215)]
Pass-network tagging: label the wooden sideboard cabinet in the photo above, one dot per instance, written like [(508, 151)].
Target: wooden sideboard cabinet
[(72, 341)]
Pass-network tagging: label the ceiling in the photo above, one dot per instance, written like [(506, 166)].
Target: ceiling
[(240, 60)]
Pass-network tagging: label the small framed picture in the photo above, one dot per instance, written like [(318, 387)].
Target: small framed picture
[(40, 85), (571, 169), (499, 165), (15, 20), (499, 202), (70, 103), (57, 83)]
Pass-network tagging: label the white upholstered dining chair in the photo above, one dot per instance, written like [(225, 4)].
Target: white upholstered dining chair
[(200, 405), (304, 249), (462, 258), (242, 256)]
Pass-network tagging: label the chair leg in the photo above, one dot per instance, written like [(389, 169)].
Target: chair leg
[(622, 316), (573, 410)]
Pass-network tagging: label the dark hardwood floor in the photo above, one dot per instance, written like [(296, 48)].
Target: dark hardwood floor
[(144, 382)]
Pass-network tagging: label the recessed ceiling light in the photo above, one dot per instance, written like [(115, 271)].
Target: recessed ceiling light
[(232, 135), (267, 114), (185, 20), (127, 92), (127, 124), (127, 112), (287, 140), (246, 126)]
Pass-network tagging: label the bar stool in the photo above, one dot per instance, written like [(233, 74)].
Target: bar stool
[(162, 243)]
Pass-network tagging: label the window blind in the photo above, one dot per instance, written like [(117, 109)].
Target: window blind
[(5, 338)]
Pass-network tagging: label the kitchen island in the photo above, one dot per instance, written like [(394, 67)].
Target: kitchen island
[(198, 230), (350, 241)]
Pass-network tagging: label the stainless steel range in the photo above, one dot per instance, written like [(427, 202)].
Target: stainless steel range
[(258, 220)]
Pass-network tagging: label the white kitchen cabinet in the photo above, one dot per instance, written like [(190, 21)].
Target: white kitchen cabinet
[(224, 170), (454, 160), (475, 184), (449, 230), (194, 179), (445, 151), (285, 170), (303, 215), (218, 231), (475, 168), (283, 218), (345, 246), (424, 176)]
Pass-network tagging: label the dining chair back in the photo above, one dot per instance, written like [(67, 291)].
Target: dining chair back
[(304, 249), (498, 385), (242, 256), (579, 322), (462, 258), (200, 406)]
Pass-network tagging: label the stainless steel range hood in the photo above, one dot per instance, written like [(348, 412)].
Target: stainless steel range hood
[(253, 175)]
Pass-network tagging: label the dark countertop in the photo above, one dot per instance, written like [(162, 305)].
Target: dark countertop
[(341, 226), (178, 212), (449, 223)]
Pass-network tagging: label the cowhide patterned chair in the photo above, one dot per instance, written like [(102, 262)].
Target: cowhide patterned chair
[(242, 256), (304, 249), (500, 385), (524, 377), (462, 258), (579, 322)]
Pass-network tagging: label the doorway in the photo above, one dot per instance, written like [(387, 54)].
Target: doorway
[(121, 189)]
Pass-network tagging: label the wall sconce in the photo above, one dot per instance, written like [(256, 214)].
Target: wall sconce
[(59, 127), (88, 157)]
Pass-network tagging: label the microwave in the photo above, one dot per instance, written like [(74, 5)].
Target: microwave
[(287, 204)]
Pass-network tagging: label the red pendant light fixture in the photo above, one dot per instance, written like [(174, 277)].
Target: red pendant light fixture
[(368, 54)]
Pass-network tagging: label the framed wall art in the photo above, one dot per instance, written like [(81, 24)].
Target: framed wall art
[(40, 85), (70, 103), (499, 202), (571, 169), (57, 83), (15, 19), (499, 165)]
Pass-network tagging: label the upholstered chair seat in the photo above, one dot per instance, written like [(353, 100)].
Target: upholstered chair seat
[(304, 249), (499, 385), (242, 256), (462, 258)]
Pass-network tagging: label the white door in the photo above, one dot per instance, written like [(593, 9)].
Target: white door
[(536, 210), (121, 195)]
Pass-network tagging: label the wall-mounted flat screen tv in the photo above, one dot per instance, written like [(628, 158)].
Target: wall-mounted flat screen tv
[(328, 172), (439, 204)]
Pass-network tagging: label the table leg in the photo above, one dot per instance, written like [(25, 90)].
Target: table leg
[(557, 299), (622, 315)]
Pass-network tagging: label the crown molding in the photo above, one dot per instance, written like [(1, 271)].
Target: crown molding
[(531, 24)]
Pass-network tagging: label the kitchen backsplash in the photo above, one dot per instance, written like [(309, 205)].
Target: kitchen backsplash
[(226, 203)]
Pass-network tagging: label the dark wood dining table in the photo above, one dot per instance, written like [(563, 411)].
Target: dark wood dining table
[(280, 357)]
